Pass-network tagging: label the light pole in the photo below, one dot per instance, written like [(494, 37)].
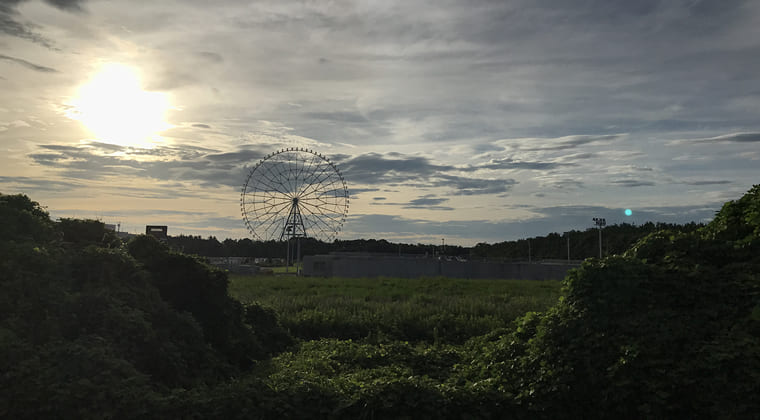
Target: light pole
[(600, 223)]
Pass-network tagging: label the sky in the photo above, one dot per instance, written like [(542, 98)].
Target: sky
[(459, 120)]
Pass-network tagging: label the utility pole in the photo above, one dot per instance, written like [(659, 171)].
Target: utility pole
[(600, 223), (529, 257)]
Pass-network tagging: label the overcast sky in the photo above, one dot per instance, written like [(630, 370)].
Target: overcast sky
[(473, 121)]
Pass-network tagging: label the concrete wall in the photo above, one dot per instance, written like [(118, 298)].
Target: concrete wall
[(353, 266)]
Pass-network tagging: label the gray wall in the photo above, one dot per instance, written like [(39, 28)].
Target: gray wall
[(353, 266)]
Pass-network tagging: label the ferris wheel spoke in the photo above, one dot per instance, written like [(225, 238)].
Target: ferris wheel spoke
[(304, 161), (267, 208), (328, 190), (325, 227), (315, 185), (277, 207), (268, 197), (320, 204), (313, 172), (321, 212), (271, 185), (271, 220), (306, 174), (292, 169), (332, 215), (275, 180), (329, 200), (317, 229)]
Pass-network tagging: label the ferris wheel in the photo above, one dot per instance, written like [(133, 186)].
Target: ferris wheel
[(294, 193)]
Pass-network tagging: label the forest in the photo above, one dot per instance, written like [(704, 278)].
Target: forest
[(92, 327)]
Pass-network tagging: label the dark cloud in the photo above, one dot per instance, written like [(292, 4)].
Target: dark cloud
[(28, 65), (201, 125), (732, 138), (633, 183), (474, 186), (11, 25), (564, 184), (420, 172), (27, 184), (428, 202), (183, 163), (358, 191), (721, 182), (562, 143), (373, 168)]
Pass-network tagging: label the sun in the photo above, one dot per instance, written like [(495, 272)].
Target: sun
[(114, 107)]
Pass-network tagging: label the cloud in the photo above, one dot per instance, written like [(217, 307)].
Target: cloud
[(28, 65), (708, 182), (750, 137), (24, 184), (629, 183), (509, 163), (428, 202), (10, 25), (201, 125), (211, 56), (474, 186), (358, 191), (338, 116), (398, 169), (558, 143), (183, 163)]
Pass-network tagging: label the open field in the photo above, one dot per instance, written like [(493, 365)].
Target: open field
[(429, 309)]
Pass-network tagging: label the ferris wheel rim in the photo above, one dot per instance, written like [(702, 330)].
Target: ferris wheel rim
[(302, 178)]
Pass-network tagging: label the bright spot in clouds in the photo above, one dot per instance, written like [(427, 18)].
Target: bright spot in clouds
[(115, 109), (628, 212)]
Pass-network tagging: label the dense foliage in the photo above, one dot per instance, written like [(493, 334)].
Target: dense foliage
[(87, 328), (91, 328)]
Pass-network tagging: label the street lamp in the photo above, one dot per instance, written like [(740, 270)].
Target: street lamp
[(600, 223)]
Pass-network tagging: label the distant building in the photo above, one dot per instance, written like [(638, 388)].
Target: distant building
[(158, 232), (351, 265)]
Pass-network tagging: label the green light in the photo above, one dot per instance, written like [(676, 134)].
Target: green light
[(628, 212)]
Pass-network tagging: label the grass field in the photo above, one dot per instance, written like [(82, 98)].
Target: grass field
[(417, 310)]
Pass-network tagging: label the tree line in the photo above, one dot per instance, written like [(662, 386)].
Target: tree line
[(574, 245)]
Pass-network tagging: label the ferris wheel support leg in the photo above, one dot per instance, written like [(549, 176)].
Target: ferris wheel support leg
[(298, 257), (287, 254)]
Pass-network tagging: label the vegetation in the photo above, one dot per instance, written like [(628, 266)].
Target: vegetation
[(90, 327), (433, 310)]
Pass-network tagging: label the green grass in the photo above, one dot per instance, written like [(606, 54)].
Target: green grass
[(430, 309)]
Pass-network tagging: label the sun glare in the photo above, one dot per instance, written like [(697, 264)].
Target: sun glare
[(115, 109)]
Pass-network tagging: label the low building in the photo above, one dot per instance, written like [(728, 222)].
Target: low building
[(368, 265)]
